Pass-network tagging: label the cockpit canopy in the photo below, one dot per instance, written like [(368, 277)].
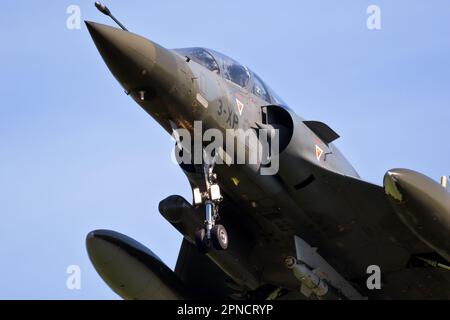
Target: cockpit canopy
[(231, 70)]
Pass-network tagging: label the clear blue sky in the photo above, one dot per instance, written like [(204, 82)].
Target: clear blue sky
[(76, 154)]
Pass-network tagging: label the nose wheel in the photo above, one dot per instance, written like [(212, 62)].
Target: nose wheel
[(219, 237), (212, 235)]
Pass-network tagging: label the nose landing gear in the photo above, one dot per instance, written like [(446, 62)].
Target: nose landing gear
[(212, 234)]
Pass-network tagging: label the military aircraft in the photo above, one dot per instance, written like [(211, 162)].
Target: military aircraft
[(312, 230)]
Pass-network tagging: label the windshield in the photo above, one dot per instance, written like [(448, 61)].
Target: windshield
[(233, 70), (263, 91), (201, 56), (259, 88)]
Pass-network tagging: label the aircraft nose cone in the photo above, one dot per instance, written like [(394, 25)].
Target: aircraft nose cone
[(129, 57)]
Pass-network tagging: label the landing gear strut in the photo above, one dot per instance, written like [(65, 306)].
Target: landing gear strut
[(212, 234)]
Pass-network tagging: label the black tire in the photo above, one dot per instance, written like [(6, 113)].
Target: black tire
[(219, 237), (203, 244)]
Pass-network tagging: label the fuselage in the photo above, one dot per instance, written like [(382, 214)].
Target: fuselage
[(179, 87)]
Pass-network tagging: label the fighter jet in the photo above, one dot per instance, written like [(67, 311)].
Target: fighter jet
[(312, 229)]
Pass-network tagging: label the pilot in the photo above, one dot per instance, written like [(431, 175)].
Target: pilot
[(238, 74)]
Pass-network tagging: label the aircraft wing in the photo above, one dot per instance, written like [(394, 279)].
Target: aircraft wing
[(359, 227), (370, 232)]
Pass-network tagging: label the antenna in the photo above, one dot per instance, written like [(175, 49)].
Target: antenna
[(104, 9)]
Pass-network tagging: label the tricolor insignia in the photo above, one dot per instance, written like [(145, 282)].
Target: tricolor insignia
[(240, 106), (319, 152)]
